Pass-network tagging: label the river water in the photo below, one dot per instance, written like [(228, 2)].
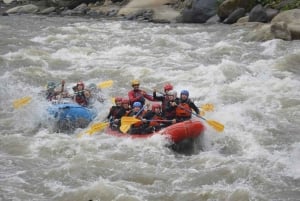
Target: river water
[(254, 87)]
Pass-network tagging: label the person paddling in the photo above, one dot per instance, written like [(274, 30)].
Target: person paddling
[(185, 107), (81, 95), (137, 112), (153, 119), (115, 114), (53, 93), (164, 97), (138, 95)]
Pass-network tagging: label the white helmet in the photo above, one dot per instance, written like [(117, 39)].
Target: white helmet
[(172, 93)]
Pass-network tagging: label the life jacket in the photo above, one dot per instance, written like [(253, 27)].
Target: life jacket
[(170, 112), (81, 99), (115, 112), (155, 120), (183, 110)]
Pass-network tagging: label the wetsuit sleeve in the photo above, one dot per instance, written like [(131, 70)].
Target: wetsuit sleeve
[(131, 97), (194, 107), (147, 96)]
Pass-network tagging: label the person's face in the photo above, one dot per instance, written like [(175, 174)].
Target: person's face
[(184, 97), (136, 86), (125, 105), (157, 110), (171, 97), (136, 109), (118, 103), (80, 87)]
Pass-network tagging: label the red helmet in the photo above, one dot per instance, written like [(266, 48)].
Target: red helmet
[(80, 83), (168, 87), (155, 106), (118, 99), (125, 101)]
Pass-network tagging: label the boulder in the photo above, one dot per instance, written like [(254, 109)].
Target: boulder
[(200, 11), (26, 9), (291, 19), (235, 16), (258, 14), (228, 6)]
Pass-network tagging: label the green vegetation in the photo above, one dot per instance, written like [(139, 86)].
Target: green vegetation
[(280, 4)]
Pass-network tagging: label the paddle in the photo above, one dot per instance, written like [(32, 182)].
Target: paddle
[(216, 125), (21, 102), (208, 107), (96, 127), (105, 84), (126, 121)]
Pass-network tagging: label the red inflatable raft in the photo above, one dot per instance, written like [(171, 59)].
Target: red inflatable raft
[(177, 133)]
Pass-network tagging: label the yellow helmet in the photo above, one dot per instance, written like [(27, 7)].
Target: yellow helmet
[(135, 82)]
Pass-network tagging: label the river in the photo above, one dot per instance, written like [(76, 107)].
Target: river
[(254, 87)]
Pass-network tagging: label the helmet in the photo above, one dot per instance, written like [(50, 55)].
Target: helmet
[(184, 92), (135, 82), (92, 86), (155, 105), (172, 93), (118, 99), (137, 104), (168, 87), (80, 83), (51, 85), (125, 101)]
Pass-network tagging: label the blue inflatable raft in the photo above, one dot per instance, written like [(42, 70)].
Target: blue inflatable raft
[(69, 116)]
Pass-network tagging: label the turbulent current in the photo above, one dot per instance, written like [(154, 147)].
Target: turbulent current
[(254, 87)]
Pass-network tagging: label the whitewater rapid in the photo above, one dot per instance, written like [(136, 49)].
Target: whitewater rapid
[(254, 87)]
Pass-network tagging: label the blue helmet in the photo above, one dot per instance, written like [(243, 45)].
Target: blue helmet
[(184, 92), (137, 104)]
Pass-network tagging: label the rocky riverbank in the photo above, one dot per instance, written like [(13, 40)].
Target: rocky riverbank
[(267, 22)]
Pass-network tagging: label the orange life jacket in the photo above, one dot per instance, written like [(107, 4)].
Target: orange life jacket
[(183, 110)]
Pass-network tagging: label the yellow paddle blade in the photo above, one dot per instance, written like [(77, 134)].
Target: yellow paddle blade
[(105, 84), (125, 127), (216, 125), (126, 123), (97, 127), (207, 107), (21, 102), (129, 120), (94, 128)]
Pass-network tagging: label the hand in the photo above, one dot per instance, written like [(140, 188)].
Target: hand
[(143, 93)]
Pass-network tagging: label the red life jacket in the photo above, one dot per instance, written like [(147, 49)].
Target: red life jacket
[(155, 120), (81, 99)]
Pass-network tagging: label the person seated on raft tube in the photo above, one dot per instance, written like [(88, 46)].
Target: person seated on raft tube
[(54, 94), (138, 95), (170, 112), (126, 106), (81, 96), (115, 114), (153, 119), (137, 112), (95, 94), (184, 107), (164, 97)]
